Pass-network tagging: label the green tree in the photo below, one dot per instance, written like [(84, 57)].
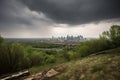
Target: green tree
[(12, 57), (113, 35), (50, 59), (1, 39), (37, 58)]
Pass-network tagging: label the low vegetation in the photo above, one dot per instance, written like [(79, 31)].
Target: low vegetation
[(98, 67), (44, 44)]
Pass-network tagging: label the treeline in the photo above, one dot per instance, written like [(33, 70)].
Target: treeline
[(15, 56), (44, 44)]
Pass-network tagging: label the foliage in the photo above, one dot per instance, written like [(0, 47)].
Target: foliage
[(1, 39), (37, 58), (51, 52), (50, 59), (43, 44), (11, 57), (92, 46), (112, 35)]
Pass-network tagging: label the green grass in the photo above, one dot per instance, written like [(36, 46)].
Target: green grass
[(99, 67)]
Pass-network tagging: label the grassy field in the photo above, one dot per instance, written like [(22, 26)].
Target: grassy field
[(97, 67)]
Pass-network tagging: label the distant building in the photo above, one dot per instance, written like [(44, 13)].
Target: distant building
[(69, 38)]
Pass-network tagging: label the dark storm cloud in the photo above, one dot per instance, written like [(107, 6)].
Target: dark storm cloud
[(76, 11), (16, 20), (10, 11), (13, 15)]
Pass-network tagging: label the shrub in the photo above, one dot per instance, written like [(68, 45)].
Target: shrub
[(37, 58), (51, 52), (50, 59), (1, 39), (92, 46), (11, 57), (72, 55), (113, 35)]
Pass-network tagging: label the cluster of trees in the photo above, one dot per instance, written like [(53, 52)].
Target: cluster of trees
[(113, 36), (12, 57), (43, 45), (107, 40), (15, 57)]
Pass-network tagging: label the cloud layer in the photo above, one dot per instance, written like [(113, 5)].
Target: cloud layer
[(76, 11), (60, 11)]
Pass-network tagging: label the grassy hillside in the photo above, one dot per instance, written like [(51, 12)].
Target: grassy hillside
[(98, 67)]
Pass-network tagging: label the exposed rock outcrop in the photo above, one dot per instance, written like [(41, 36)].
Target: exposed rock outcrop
[(47, 74)]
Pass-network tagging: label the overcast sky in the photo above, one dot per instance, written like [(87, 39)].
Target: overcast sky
[(46, 18)]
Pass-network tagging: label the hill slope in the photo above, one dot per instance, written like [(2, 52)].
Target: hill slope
[(97, 67)]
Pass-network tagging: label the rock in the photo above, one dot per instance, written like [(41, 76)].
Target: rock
[(37, 76), (82, 76), (60, 68), (30, 78), (109, 59), (51, 73), (101, 72)]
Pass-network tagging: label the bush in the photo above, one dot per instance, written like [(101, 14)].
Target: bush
[(113, 35), (50, 59), (51, 52), (1, 39), (37, 58), (92, 46), (83, 51), (11, 57), (72, 55)]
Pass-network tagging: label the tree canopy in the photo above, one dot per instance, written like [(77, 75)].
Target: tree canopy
[(113, 35), (1, 39)]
